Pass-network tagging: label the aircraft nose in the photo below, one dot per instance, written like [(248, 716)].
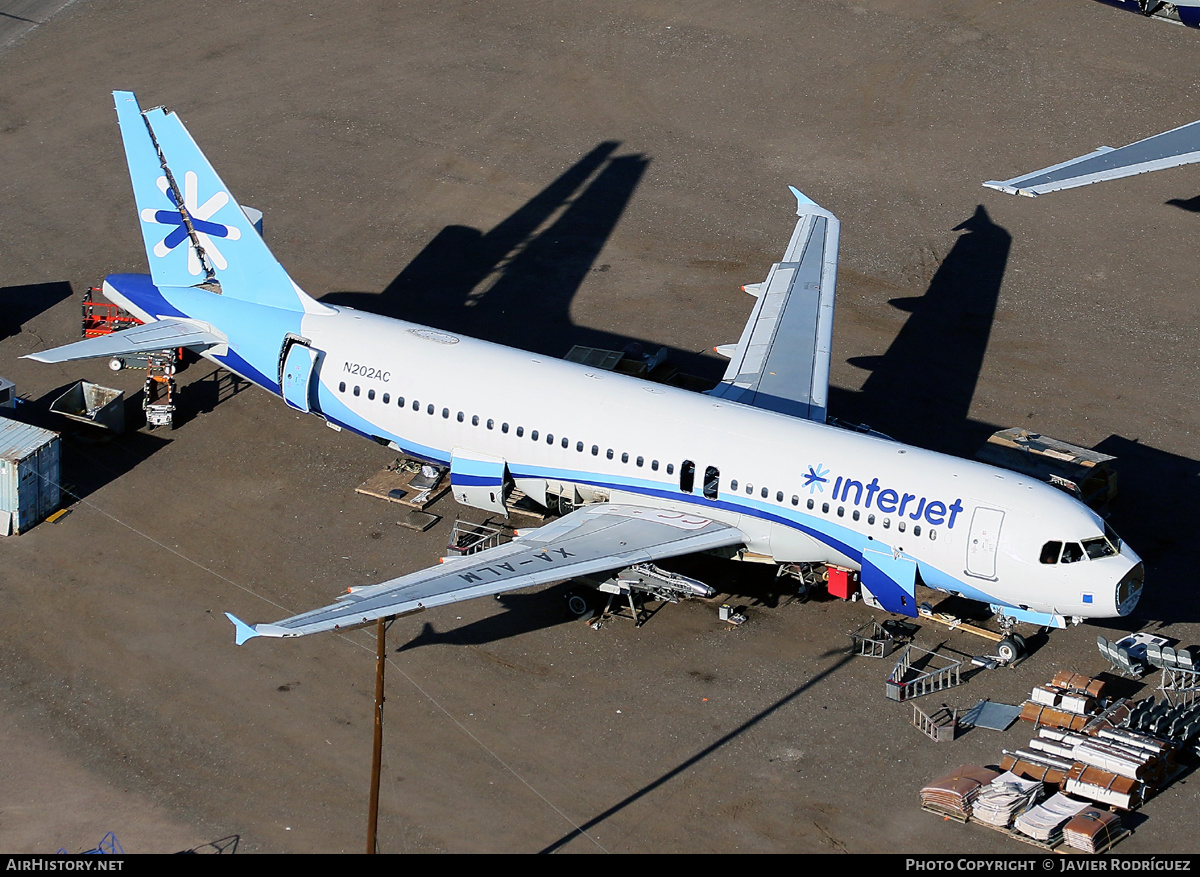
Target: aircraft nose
[(1129, 589)]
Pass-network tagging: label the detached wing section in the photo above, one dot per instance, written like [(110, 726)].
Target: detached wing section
[(589, 540), (1169, 149), (150, 338), (781, 362)]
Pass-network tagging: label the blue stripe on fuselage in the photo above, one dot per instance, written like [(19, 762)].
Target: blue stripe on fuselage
[(256, 332)]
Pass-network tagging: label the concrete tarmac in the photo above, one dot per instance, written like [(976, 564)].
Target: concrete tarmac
[(545, 175)]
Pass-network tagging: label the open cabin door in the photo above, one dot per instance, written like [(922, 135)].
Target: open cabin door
[(297, 378), (480, 480), (890, 578)]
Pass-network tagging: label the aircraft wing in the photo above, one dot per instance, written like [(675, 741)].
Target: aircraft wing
[(149, 338), (591, 539), (1169, 149), (781, 361)]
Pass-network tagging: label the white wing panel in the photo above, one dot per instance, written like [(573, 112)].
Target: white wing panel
[(1170, 149), (781, 362), (589, 540)]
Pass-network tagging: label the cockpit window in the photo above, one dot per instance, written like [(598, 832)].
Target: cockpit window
[(1112, 537), (1050, 552), (1098, 547), (1072, 552)]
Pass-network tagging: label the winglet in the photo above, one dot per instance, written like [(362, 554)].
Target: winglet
[(801, 199), (243, 630)]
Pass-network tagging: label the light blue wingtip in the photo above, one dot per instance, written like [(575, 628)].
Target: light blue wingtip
[(243, 630), (801, 199)]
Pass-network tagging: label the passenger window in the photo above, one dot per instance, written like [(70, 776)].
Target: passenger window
[(841, 511), (795, 499), (1050, 552), (712, 482), (356, 391), (503, 428), (474, 420), (520, 431), (371, 395), (342, 387), (763, 493), (779, 496), (416, 405), (887, 522), (624, 457), (917, 530), (400, 401), (733, 486), (641, 461), (670, 468), (900, 525), (609, 453), (855, 515), (578, 446), (687, 476), (654, 465), (429, 409), (824, 508), (595, 450), (810, 505), (749, 488), (491, 424), (549, 438), (871, 520), (1072, 552), (445, 414), (386, 398), (461, 416), (533, 435), (933, 535)]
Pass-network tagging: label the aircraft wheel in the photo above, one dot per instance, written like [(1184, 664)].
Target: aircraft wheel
[(116, 364), (577, 605), (1010, 648)]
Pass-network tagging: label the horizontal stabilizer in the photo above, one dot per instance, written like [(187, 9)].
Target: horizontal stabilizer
[(150, 338), (589, 540), (1172, 148)]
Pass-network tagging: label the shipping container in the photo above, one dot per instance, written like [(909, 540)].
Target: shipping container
[(30, 459)]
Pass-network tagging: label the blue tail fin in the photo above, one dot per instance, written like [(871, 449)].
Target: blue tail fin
[(194, 231)]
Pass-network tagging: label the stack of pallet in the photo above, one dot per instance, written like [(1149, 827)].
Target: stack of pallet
[(1093, 830), (1068, 701), (1045, 822), (1115, 766), (955, 794), (1004, 798)]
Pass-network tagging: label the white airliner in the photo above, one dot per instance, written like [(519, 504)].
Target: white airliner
[(643, 471)]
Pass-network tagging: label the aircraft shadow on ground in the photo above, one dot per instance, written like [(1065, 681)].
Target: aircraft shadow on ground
[(514, 284), (20, 304), (1191, 205), (523, 613)]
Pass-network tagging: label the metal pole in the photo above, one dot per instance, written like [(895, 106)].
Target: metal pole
[(377, 757)]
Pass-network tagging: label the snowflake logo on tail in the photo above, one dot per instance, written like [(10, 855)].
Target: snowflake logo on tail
[(200, 215), (815, 478)]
